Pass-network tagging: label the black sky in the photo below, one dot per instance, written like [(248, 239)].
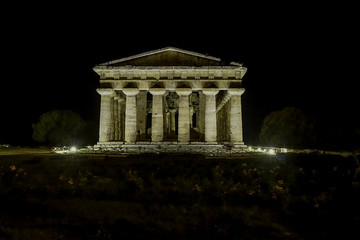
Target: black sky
[(296, 54)]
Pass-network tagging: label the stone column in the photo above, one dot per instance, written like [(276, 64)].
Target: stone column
[(197, 118), (130, 114), (172, 120), (112, 122), (236, 130), (105, 114), (141, 105), (184, 113), (157, 120), (191, 116), (167, 122), (116, 118), (210, 115), (202, 103), (122, 106)]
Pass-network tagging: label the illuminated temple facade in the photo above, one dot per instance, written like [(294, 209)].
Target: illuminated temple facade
[(170, 100)]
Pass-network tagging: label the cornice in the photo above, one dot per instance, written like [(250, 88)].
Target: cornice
[(126, 73), (119, 68)]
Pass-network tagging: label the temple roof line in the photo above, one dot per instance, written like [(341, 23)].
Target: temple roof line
[(159, 51), (168, 56)]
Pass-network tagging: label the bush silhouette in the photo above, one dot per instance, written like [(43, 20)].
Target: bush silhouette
[(289, 127), (58, 128)]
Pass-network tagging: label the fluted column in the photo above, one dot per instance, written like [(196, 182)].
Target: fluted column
[(141, 105), (236, 130), (130, 114), (112, 122), (157, 121), (167, 122), (122, 106), (116, 118), (210, 115), (105, 114), (184, 113), (202, 103), (172, 120)]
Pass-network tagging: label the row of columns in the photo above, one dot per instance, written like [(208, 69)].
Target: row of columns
[(157, 129)]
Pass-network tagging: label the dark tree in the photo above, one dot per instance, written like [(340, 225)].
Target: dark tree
[(289, 127), (58, 128)]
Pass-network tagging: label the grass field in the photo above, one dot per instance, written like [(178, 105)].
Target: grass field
[(287, 196)]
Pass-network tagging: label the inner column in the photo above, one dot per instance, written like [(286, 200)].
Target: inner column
[(172, 105), (157, 122), (172, 120)]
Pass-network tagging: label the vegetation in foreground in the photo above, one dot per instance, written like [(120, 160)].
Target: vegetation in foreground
[(289, 196)]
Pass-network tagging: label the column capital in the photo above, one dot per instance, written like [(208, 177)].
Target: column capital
[(183, 91), (172, 110), (236, 91), (130, 91), (210, 91), (105, 91), (157, 91)]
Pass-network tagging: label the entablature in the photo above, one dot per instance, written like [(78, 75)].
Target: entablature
[(168, 73), (170, 84)]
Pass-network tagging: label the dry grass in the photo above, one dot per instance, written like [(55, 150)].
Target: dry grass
[(46, 196)]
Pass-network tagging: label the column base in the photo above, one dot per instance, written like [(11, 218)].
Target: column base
[(156, 142), (110, 143), (238, 145), (209, 149)]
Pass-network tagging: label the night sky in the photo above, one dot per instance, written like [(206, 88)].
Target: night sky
[(297, 55)]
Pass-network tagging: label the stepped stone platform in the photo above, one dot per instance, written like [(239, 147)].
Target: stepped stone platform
[(170, 93)]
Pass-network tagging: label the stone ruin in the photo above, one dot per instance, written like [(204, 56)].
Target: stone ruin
[(170, 100)]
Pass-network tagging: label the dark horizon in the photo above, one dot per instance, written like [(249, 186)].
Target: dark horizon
[(302, 57)]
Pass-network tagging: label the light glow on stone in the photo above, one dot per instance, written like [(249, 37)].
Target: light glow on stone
[(271, 151)]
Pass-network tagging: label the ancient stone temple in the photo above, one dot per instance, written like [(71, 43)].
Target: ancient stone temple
[(170, 100)]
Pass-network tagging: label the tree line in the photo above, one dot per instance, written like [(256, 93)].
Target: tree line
[(288, 127)]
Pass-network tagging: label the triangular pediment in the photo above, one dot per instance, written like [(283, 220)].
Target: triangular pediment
[(169, 56)]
